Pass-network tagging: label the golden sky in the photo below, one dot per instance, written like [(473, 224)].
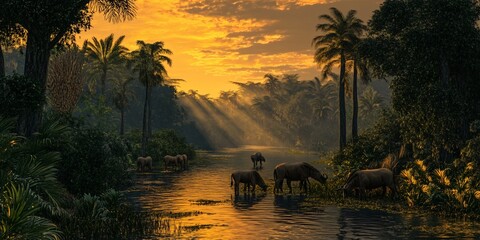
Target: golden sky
[(215, 42)]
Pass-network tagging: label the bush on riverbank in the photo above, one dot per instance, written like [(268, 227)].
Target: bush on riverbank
[(451, 188), (94, 161), (161, 143), (371, 147)]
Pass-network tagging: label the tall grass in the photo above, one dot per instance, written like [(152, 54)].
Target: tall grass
[(126, 223)]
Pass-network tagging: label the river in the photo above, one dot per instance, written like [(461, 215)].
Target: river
[(211, 211)]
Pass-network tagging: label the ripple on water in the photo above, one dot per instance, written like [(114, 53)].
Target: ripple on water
[(205, 189)]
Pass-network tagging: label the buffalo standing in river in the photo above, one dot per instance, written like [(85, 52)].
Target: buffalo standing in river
[(298, 171), (144, 163), (174, 161), (248, 178), (370, 179), (182, 160), (257, 157)]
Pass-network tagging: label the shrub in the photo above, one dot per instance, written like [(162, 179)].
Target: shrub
[(19, 94), (94, 161), (371, 147), (161, 143), (29, 191), (452, 191)]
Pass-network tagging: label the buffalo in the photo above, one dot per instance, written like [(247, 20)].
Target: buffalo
[(248, 178), (256, 158), (182, 160), (298, 171), (370, 179), (176, 161), (144, 163)]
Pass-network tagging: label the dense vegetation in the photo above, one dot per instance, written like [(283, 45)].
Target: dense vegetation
[(281, 111), (63, 162), (431, 129)]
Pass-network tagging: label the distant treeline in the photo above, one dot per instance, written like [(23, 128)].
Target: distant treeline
[(277, 110), (280, 111)]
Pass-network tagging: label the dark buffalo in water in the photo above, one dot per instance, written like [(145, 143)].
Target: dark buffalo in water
[(256, 158), (298, 171), (248, 178)]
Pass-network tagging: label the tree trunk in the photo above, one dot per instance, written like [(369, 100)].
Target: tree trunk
[(355, 103), (2, 63), (341, 96), (145, 115), (103, 81), (36, 66), (122, 121), (149, 119)]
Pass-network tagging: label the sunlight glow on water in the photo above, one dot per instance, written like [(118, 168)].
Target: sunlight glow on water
[(205, 187)]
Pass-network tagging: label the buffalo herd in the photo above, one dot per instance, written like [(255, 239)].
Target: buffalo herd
[(176, 162), (358, 181)]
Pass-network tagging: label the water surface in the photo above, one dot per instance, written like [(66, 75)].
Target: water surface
[(204, 189)]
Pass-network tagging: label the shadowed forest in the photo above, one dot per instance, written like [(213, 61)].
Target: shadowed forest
[(400, 91), (278, 110)]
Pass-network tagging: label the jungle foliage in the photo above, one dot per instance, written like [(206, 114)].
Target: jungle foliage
[(429, 50), (280, 111)]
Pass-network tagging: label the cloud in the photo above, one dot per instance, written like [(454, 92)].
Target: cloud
[(293, 22), (218, 41)]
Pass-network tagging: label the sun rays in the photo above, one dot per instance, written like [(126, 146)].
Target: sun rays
[(227, 123)]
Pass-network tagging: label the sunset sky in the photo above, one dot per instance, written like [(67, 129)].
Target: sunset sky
[(215, 42)]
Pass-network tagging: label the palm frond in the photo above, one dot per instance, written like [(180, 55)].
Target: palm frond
[(18, 215), (115, 10), (337, 15), (328, 18)]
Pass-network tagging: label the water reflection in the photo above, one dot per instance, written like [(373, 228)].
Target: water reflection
[(288, 202), (205, 189), (366, 223), (258, 168), (247, 200)]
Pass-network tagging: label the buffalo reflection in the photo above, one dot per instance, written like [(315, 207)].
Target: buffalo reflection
[(365, 223), (258, 168), (289, 202), (247, 200)]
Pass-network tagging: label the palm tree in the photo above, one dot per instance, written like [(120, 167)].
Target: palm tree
[(265, 105), (272, 84), (321, 97), (370, 102), (359, 64), (340, 33), (291, 84), (122, 95), (148, 62), (106, 54)]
